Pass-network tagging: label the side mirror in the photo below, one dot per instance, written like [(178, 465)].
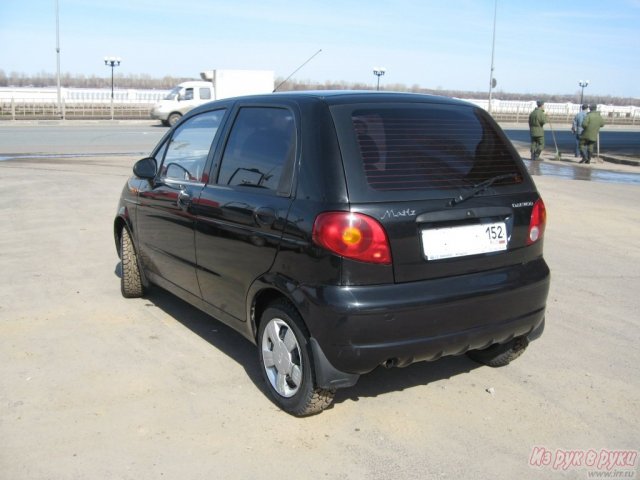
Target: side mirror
[(145, 168)]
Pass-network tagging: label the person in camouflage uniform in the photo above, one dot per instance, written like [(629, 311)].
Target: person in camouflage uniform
[(591, 125), (537, 119)]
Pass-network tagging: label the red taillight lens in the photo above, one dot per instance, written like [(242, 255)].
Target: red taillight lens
[(352, 235), (538, 222)]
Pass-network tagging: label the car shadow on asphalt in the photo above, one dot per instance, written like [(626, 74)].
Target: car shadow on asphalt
[(239, 349), (224, 338), (385, 380)]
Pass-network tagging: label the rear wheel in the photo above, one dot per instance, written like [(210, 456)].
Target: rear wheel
[(130, 278), (285, 362), (499, 355)]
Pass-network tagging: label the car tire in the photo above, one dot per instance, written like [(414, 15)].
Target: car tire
[(499, 355), (285, 362), (173, 119), (130, 278)]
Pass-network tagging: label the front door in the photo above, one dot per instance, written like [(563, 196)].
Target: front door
[(165, 220)]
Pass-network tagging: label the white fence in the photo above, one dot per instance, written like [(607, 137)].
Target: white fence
[(94, 103), (520, 110), (77, 103), (80, 95)]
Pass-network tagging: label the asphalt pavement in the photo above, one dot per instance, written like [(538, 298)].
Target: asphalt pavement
[(93, 385)]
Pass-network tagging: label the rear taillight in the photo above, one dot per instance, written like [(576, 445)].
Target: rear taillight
[(537, 223), (352, 235)]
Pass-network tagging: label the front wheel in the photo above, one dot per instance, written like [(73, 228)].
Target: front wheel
[(130, 278), (285, 362), (173, 119)]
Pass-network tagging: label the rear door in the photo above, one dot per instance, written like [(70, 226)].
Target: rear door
[(241, 213), (406, 163)]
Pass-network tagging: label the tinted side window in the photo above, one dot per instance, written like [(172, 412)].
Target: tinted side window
[(261, 143), (439, 147), (189, 147)]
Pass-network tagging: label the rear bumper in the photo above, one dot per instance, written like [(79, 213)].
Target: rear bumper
[(359, 328)]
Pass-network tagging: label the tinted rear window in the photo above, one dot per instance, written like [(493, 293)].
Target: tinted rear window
[(261, 143), (422, 147)]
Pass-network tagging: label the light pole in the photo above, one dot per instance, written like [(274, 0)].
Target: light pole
[(378, 72), (112, 62), (60, 111), (492, 81), (582, 84)]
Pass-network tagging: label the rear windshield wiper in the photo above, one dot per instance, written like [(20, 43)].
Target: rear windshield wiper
[(481, 187)]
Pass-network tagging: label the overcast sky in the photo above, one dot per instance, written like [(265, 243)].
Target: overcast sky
[(543, 46)]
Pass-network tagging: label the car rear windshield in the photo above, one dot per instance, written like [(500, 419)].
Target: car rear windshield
[(428, 147)]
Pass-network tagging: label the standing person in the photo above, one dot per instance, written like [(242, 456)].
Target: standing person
[(537, 119), (591, 125), (576, 126)]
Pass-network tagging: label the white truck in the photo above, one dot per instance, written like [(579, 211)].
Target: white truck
[(215, 85)]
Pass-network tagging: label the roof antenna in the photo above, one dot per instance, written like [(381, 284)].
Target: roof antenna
[(294, 72)]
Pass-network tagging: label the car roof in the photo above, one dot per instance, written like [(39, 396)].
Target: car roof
[(360, 96), (335, 97)]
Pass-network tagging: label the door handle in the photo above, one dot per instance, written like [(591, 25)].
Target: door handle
[(184, 200), (264, 216)]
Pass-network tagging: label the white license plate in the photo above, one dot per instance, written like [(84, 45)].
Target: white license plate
[(439, 243)]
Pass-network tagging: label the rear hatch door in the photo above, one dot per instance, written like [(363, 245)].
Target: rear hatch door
[(450, 190)]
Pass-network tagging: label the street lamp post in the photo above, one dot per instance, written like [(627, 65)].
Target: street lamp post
[(582, 84), (60, 110), (378, 72), (492, 81), (112, 62)]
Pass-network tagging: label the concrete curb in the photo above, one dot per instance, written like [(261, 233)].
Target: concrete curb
[(621, 161)]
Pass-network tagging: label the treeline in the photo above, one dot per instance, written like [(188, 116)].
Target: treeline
[(498, 95), (143, 81), (44, 79)]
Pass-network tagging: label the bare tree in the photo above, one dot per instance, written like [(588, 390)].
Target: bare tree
[(145, 81)]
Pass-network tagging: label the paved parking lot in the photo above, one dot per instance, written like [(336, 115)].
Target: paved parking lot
[(96, 386)]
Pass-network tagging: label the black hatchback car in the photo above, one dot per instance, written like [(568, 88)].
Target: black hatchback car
[(341, 231)]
